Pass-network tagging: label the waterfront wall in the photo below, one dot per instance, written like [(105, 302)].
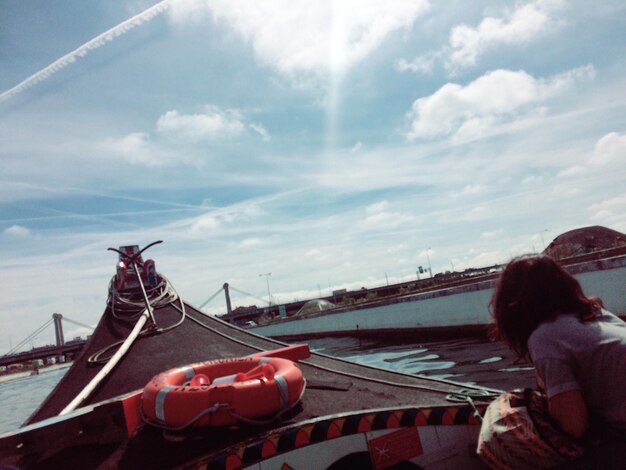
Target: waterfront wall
[(457, 308)]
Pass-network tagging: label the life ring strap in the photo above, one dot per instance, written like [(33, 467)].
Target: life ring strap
[(159, 403), (283, 390), (188, 371)]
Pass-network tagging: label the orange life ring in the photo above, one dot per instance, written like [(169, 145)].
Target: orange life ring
[(221, 392)]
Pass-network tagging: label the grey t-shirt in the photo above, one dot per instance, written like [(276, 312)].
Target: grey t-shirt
[(587, 356)]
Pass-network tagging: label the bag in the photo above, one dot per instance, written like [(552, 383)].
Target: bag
[(518, 433)]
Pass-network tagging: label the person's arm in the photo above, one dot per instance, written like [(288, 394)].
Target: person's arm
[(540, 383), (550, 349), (570, 412)]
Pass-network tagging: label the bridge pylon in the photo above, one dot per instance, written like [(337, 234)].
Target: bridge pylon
[(229, 309), (58, 329)]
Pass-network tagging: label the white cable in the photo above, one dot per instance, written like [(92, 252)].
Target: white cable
[(90, 387)]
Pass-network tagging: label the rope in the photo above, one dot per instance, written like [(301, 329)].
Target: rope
[(465, 394), (211, 409), (126, 308), (468, 396), (127, 305)]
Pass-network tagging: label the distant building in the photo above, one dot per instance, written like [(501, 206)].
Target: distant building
[(584, 240)]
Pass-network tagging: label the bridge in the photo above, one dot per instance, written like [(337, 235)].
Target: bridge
[(60, 349)]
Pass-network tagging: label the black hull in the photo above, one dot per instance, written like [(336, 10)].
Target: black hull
[(333, 387)]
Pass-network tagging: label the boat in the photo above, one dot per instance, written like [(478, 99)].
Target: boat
[(457, 304), (347, 416)]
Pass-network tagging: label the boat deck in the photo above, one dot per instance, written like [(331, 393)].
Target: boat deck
[(332, 383), (334, 386)]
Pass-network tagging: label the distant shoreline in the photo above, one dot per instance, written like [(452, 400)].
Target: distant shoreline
[(28, 373)]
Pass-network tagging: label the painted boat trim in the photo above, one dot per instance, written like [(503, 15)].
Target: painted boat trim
[(310, 432)]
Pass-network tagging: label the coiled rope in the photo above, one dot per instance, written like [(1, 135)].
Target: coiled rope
[(128, 305)]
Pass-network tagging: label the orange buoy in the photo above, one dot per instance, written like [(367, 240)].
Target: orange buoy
[(222, 392)]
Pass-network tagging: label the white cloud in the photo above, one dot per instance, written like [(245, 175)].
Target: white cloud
[(395, 249), (220, 218), (204, 224), (17, 231), (608, 159), (310, 37), (496, 97), (476, 213), (378, 218), (136, 148), (377, 207), (175, 128), (213, 124), (386, 220), (571, 171), (610, 212), (424, 63), (467, 43), (532, 179), (470, 190), (259, 129), (610, 149), (490, 235), (250, 242), (520, 26), (356, 147), (475, 127), (183, 12)]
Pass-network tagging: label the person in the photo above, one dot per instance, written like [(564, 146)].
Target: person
[(576, 346)]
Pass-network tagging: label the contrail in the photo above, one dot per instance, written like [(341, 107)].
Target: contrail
[(83, 50)]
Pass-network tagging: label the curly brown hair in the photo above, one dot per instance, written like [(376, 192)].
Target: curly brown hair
[(532, 290)]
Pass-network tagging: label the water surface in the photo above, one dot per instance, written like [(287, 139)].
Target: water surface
[(468, 360)]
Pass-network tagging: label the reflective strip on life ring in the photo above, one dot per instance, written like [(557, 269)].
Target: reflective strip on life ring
[(170, 400), (283, 391), (159, 406), (188, 371)]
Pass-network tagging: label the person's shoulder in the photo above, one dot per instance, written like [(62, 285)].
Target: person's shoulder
[(544, 332), (549, 331), (558, 322)]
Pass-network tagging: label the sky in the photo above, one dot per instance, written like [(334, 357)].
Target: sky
[(333, 144)]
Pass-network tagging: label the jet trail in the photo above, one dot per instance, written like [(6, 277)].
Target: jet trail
[(83, 50)]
